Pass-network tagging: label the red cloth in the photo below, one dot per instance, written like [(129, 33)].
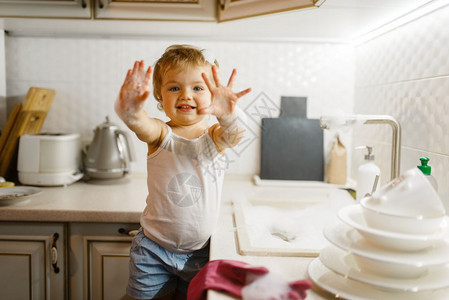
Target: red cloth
[(230, 276), (299, 288)]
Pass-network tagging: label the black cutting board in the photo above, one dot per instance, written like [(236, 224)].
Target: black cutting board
[(293, 107), (292, 149)]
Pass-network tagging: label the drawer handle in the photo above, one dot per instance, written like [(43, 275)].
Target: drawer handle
[(128, 232), (54, 254), (224, 4)]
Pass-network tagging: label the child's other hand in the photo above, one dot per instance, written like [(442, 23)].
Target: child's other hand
[(134, 91), (223, 98)]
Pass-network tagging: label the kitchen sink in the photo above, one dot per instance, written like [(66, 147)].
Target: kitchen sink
[(286, 221)]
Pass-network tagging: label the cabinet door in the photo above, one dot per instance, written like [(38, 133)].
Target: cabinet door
[(99, 256), (238, 9), (22, 274), (108, 269), (46, 8), (174, 10), (32, 260)]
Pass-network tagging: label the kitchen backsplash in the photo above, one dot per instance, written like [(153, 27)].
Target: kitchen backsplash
[(87, 75), (405, 73)]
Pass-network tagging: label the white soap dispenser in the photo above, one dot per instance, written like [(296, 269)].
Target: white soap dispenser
[(426, 169), (366, 177)]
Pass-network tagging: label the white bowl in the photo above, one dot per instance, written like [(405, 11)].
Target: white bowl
[(353, 216), (343, 263), (342, 287), (388, 269), (402, 224), (390, 262), (409, 195)]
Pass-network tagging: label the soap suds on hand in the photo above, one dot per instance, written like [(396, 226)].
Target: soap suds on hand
[(128, 113)]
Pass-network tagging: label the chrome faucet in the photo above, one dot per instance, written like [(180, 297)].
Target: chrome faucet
[(328, 122)]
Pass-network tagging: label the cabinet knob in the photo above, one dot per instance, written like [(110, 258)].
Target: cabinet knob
[(128, 232), (224, 4)]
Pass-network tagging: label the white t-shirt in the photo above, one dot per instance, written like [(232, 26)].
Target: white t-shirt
[(185, 179)]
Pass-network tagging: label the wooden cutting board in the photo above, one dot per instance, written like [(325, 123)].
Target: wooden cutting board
[(292, 149), (26, 118), (9, 125)]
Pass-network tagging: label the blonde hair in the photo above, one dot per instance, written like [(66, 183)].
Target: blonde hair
[(177, 57)]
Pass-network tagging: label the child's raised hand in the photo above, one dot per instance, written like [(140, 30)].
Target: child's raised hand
[(223, 98), (134, 91)]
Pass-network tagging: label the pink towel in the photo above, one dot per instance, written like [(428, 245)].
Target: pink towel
[(231, 276)]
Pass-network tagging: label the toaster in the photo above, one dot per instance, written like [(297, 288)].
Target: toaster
[(49, 159)]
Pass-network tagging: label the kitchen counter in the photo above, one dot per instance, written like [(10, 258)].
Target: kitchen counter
[(117, 201), (122, 201)]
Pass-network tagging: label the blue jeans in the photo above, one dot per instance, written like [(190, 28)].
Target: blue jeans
[(155, 272)]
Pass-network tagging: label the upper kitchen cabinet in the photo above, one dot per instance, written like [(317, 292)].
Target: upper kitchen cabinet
[(193, 10), (79, 9), (179, 10), (168, 10), (238, 9), (185, 10), (188, 10)]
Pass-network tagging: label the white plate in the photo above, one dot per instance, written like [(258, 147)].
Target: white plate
[(344, 264), (352, 215), (346, 288), (11, 195), (347, 238)]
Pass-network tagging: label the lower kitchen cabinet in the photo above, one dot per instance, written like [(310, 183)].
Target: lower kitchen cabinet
[(99, 257), (76, 261), (33, 261)]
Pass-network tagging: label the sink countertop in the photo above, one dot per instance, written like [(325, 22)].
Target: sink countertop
[(122, 201), (224, 245)]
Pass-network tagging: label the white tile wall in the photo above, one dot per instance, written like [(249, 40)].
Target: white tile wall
[(87, 75), (405, 73)]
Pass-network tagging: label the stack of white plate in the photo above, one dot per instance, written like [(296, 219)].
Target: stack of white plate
[(364, 262)]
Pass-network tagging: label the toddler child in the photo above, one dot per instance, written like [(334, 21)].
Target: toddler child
[(185, 165)]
